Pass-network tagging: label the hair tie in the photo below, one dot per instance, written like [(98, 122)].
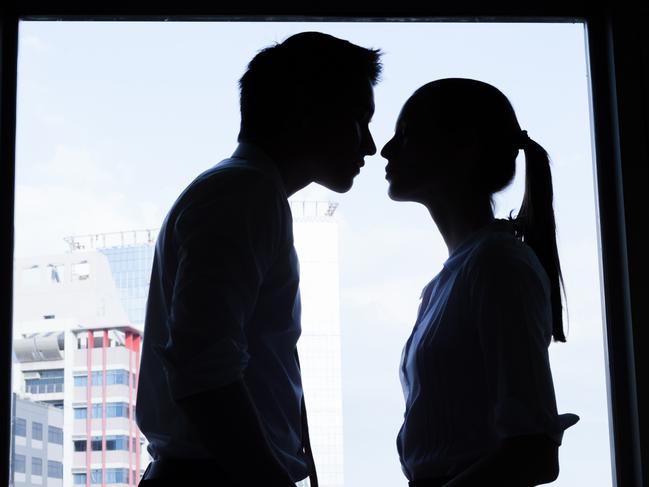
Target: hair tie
[(523, 139)]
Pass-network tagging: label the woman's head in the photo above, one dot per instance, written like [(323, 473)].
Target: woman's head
[(456, 140), (453, 137)]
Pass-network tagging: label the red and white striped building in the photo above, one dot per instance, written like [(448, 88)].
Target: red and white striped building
[(69, 324)]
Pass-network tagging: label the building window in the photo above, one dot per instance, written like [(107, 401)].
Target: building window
[(79, 478), (95, 476), (37, 466), (20, 427), (95, 443), (114, 442), (54, 469), (113, 410), (49, 381), (117, 410), (117, 476), (19, 463), (81, 271), (116, 377), (55, 435), (37, 431), (117, 443), (113, 377), (57, 273)]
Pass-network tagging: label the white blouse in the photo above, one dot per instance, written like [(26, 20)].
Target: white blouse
[(475, 369)]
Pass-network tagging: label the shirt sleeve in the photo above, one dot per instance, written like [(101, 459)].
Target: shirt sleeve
[(512, 296), (226, 243)]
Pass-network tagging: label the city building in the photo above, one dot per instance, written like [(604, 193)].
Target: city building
[(100, 288), (37, 442), (75, 350), (315, 231), (130, 257)]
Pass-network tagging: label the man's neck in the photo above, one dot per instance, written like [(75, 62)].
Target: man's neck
[(292, 166)]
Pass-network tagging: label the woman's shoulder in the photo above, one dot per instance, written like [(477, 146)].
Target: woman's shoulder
[(500, 251)]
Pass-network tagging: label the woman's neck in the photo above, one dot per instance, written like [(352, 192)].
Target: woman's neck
[(459, 218)]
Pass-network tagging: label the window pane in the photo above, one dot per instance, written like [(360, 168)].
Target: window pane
[(19, 463), (37, 431), (20, 427), (363, 264), (54, 469), (55, 435), (37, 466), (80, 413)]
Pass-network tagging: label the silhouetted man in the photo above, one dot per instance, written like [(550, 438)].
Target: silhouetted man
[(220, 396)]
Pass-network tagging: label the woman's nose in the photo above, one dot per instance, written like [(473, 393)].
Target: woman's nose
[(387, 149)]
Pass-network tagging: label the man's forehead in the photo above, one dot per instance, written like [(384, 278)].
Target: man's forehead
[(361, 95)]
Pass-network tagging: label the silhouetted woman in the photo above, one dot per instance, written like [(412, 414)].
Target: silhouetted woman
[(480, 402)]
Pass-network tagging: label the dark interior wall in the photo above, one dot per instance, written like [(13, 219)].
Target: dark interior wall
[(630, 40), (620, 69)]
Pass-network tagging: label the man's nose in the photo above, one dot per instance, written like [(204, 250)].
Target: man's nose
[(370, 146)]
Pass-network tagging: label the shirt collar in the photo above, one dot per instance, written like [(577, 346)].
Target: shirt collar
[(457, 257), (255, 155)]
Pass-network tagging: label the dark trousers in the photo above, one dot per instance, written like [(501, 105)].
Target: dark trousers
[(178, 472)]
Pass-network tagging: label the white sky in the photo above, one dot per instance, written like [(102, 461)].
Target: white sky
[(115, 119)]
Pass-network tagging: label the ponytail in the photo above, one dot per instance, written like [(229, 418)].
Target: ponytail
[(536, 225)]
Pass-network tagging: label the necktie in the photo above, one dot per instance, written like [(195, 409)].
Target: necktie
[(306, 442)]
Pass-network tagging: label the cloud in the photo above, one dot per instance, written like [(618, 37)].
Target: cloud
[(72, 194), (77, 167)]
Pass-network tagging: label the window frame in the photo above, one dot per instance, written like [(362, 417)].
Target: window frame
[(615, 58)]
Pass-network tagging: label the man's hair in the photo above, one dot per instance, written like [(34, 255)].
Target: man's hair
[(309, 71)]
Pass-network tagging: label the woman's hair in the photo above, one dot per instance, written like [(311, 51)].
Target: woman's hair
[(479, 110)]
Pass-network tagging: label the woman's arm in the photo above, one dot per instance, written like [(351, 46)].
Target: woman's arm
[(520, 461), (514, 321)]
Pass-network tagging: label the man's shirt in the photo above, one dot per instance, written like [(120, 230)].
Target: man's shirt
[(223, 305), (476, 369)]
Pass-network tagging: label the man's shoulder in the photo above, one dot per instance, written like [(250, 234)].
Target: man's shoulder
[(234, 172), (232, 182)]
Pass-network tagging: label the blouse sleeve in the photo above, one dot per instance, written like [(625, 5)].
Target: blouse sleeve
[(512, 298)]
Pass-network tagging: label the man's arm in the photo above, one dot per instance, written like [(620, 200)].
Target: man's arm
[(235, 435), (520, 461), (226, 243)]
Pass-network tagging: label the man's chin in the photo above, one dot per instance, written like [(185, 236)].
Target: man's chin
[(341, 186)]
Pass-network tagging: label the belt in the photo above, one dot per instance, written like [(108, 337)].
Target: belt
[(187, 470), (432, 482)]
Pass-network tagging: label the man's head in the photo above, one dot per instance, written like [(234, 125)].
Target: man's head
[(311, 97)]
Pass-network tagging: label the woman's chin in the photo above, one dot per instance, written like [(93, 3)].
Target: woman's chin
[(397, 194)]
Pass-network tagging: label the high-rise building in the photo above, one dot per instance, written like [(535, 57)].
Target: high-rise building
[(316, 241), (117, 268), (130, 257), (37, 442), (75, 350)]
